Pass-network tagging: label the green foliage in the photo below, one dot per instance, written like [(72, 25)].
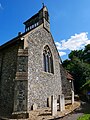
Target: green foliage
[(84, 117), (87, 48), (86, 85), (76, 53), (79, 67), (86, 56)]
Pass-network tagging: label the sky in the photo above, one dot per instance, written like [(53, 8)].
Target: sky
[(69, 21)]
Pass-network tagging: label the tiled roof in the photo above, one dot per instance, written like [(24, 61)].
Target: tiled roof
[(69, 76)]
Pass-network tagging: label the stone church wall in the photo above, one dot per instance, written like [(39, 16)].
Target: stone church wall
[(0, 61), (0, 72), (66, 85), (21, 82), (8, 61), (41, 84)]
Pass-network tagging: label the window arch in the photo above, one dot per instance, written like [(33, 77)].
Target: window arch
[(47, 60)]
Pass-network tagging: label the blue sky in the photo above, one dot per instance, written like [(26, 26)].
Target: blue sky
[(69, 21)]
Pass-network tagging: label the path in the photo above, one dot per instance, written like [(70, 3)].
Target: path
[(85, 108)]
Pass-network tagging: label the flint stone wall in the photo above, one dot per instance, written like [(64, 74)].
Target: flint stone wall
[(66, 85), (8, 63), (41, 84), (20, 96)]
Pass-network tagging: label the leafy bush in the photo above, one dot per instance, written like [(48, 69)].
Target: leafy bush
[(84, 117)]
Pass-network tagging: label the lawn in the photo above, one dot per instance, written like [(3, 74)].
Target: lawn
[(84, 117)]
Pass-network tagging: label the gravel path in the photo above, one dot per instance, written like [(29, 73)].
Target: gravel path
[(85, 108), (72, 116)]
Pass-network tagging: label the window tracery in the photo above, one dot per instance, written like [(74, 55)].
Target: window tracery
[(48, 60)]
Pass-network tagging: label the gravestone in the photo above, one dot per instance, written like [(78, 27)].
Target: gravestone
[(61, 102), (49, 101), (53, 106), (34, 106), (72, 101)]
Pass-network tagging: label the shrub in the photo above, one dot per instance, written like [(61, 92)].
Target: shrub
[(84, 117)]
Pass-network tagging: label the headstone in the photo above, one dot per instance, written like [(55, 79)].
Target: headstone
[(61, 102), (34, 106), (53, 106), (72, 97)]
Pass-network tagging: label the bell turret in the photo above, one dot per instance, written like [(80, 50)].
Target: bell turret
[(42, 17)]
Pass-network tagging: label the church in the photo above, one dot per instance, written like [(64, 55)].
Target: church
[(29, 67)]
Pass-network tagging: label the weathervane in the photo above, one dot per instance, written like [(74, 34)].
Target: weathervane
[(42, 2)]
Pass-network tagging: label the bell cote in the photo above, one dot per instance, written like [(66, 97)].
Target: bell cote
[(42, 17)]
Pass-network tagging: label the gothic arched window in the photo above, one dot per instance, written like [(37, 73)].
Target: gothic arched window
[(47, 60)]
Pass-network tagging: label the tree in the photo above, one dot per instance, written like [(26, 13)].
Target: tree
[(78, 67), (76, 53), (86, 85), (86, 56)]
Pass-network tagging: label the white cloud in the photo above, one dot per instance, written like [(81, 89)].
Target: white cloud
[(1, 6), (62, 53), (78, 41), (59, 46)]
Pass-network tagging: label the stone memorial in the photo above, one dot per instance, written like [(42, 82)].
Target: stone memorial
[(61, 102), (53, 106)]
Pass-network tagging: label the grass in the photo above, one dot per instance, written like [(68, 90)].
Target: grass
[(84, 117)]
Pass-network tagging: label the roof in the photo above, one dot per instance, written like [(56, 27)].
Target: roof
[(12, 41), (34, 16), (21, 35), (67, 73), (69, 76)]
